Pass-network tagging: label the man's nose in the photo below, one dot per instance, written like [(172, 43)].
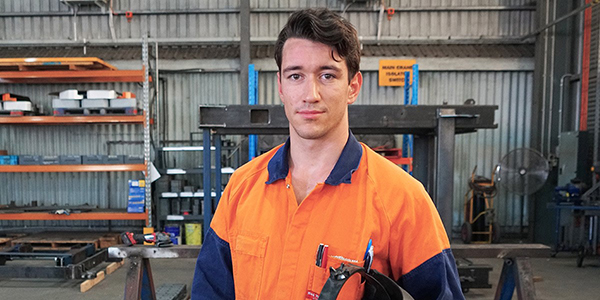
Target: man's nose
[(312, 93)]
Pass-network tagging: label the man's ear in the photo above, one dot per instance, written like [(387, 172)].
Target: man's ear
[(279, 86), (354, 87)]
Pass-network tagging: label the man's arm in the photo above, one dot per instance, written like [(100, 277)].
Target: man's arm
[(213, 278), (437, 278), (427, 269)]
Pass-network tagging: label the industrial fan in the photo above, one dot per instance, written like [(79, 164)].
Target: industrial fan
[(523, 171)]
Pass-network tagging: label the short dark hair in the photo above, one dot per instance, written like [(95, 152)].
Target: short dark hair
[(326, 27)]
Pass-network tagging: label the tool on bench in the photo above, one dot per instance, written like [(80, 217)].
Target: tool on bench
[(161, 239)]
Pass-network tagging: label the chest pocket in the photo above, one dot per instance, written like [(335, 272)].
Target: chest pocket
[(353, 289), (248, 263)]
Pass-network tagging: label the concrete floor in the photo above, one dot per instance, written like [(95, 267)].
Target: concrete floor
[(561, 279)]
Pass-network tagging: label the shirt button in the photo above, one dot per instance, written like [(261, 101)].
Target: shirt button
[(287, 186)]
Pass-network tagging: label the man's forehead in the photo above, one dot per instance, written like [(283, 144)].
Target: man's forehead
[(332, 53)]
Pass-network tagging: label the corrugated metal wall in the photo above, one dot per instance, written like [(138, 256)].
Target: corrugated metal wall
[(465, 19), (511, 91)]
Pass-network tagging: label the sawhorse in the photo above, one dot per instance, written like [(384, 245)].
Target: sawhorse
[(139, 283), (516, 270)]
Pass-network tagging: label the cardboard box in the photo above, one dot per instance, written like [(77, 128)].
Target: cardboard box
[(135, 208)]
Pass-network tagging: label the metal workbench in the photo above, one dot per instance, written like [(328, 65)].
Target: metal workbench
[(434, 127), (516, 273)]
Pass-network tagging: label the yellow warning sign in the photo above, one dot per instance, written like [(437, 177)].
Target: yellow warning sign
[(391, 71)]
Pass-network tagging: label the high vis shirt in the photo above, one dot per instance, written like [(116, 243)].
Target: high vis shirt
[(263, 245)]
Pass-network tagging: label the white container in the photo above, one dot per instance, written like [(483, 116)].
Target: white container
[(17, 105), (66, 103), (131, 102), (70, 94), (94, 103), (101, 94)]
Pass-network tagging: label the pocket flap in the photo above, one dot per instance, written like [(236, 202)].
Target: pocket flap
[(255, 246)]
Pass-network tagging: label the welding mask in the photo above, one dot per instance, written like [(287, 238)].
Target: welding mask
[(377, 286)]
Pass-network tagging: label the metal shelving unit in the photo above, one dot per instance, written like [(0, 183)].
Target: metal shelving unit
[(79, 70), (165, 215)]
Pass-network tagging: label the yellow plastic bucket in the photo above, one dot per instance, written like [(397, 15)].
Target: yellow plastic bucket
[(193, 234)]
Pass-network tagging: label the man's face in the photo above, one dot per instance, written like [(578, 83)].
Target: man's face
[(314, 89)]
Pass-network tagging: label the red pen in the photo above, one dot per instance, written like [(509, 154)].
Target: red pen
[(324, 260)]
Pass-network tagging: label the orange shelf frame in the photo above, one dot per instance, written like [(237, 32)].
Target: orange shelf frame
[(54, 63), (72, 76), (85, 216), (70, 168), (66, 120)]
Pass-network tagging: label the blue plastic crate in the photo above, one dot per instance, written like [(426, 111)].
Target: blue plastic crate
[(9, 160)]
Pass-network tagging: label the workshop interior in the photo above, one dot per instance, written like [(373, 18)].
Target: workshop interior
[(122, 121)]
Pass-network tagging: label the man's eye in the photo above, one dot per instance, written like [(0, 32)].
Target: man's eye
[(328, 76), (294, 76)]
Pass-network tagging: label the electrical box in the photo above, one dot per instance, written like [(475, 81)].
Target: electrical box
[(574, 157)]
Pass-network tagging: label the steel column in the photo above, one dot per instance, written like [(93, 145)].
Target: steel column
[(422, 160), (218, 174), (207, 207), (244, 48), (444, 166)]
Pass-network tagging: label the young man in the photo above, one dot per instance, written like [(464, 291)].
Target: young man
[(321, 187)]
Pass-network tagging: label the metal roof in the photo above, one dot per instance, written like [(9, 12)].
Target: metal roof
[(266, 51)]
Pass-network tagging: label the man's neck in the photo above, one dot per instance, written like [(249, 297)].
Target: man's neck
[(311, 161)]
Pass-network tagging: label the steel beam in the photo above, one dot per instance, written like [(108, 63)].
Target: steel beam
[(364, 119), (181, 251), (443, 173), (34, 272), (500, 250)]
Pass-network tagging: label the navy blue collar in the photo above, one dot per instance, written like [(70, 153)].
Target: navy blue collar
[(342, 171)]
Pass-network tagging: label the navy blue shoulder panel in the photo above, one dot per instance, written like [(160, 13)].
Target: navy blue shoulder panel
[(437, 278), (213, 278)]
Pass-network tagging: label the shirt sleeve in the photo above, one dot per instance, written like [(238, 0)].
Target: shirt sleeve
[(421, 259), (437, 278), (213, 277)]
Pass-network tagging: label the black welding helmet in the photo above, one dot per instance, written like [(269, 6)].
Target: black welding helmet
[(377, 286)]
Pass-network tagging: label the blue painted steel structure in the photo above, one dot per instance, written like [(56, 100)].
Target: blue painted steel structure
[(252, 100), (407, 140)]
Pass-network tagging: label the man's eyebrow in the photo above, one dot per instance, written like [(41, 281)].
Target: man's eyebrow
[(330, 67), (292, 68), (326, 67)]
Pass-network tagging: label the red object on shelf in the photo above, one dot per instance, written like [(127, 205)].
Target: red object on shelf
[(394, 155)]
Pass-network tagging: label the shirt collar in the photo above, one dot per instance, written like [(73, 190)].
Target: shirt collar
[(347, 163)]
